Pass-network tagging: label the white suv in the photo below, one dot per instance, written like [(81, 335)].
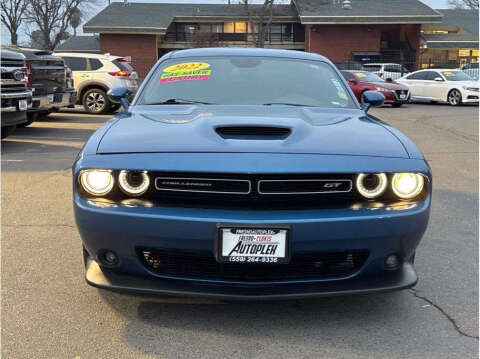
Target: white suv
[(95, 74), (388, 71)]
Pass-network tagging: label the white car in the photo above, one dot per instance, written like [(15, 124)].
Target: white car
[(95, 74), (387, 71), (442, 85)]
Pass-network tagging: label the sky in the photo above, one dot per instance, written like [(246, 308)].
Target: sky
[(5, 35)]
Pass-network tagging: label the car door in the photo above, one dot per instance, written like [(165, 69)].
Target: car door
[(78, 65), (415, 83), (435, 89)]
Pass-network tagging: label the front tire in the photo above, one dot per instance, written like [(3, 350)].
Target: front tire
[(397, 104), (7, 131), (454, 98), (95, 101)]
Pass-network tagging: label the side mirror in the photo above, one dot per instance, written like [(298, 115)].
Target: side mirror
[(438, 79), (352, 82), (119, 94), (372, 99)]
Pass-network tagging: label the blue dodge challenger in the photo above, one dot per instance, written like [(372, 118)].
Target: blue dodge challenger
[(249, 174)]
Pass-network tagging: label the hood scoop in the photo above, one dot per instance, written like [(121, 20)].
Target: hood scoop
[(253, 132)]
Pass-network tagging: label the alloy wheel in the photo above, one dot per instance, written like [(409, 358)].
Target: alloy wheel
[(454, 98), (95, 101)]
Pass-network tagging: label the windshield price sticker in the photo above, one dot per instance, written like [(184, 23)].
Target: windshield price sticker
[(189, 71), (250, 245), (360, 75)]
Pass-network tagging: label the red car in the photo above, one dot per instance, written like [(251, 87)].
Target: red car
[(361, 81)]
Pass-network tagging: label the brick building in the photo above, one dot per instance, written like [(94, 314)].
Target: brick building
[(361, 30)]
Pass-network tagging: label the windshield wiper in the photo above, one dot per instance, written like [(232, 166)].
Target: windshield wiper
[(178, 101), (287, 104)]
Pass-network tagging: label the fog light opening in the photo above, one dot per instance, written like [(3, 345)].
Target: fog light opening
[(108, 258), (392, 262)]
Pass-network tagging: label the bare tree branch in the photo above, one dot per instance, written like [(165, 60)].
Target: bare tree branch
[(462, 4), (12, 16), (52, 19)]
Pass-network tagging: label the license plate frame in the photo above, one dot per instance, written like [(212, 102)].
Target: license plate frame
[(247, 259), (22, 105)]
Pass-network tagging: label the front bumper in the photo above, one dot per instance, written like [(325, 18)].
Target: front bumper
[(393, 97), (403, 278), (470, 97), (11, 113), (54, 101), (123, 229)]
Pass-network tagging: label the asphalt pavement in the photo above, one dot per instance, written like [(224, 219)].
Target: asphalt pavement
[(48, 311)]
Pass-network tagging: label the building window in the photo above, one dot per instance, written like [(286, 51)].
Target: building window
[(235, 27)]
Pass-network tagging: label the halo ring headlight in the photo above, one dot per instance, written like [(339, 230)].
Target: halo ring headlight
[(371, 185), (97, 182), (133, 183), (407, 185)]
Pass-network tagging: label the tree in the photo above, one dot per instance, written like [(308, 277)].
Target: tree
[(259, 18), (462, 4), (12, 16), (52, 19), (76, 19)]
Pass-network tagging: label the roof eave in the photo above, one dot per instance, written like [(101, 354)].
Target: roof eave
[(125, 30)]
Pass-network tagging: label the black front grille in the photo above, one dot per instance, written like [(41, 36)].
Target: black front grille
[(12, 63), (253, 191), (193, 265), (401, 92), (14, 88)]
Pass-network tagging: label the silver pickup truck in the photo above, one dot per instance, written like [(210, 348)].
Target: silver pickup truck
[(16, 98)]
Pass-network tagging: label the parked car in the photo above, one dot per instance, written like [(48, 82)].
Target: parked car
[(47, 78), (442, 85), (471, 70), (218, 182), (388, 71), (16, 98), (95, 74), (361, 81)]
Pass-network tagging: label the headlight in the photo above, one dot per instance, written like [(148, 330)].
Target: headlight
[(382, 89), (407, 185), (475, 89), (371, 185), (134, 183), (97, 182)]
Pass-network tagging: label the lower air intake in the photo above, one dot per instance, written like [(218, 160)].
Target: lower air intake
[(193, 265)]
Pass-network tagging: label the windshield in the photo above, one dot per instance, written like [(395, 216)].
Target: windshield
[(368, 77), (246, 81), (456, 76)]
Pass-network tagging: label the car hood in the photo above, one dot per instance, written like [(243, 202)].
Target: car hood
[(465, 83), (192, 128)]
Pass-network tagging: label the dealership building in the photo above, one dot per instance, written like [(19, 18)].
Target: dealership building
[(359, 30)]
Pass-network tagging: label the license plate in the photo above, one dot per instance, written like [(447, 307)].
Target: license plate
[(253, 245), (22, 105), (51, 98), (402, 96)]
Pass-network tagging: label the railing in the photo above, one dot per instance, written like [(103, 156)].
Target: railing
[(273, 37)]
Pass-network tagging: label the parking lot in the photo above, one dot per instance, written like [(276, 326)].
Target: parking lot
[(49, 311)]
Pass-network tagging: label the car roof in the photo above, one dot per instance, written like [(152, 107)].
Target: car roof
[(232, 51), (439, 69), (88, 55)]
